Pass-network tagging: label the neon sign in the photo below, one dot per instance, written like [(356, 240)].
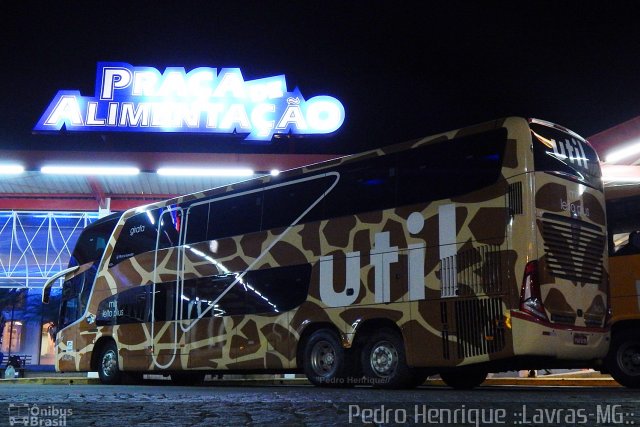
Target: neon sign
[(203, 100)]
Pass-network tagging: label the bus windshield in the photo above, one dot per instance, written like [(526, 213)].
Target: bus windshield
[(563, 153), (93, 240), (89, 249)]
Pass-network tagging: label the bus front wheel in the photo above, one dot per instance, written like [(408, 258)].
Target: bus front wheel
[(325, 362), (623, 359), (108, 368)]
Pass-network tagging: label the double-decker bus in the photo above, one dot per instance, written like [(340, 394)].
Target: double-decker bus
[(472, 251)]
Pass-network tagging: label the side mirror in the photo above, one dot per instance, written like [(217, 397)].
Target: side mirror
[(46, 293)]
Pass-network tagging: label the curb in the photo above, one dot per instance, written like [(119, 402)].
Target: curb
[(52, 381), (520, 382), (544, 382)]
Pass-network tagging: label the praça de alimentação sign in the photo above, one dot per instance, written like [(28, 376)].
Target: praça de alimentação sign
[(204, 100)]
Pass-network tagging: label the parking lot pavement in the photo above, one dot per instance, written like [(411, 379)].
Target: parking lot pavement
[(162, 404)]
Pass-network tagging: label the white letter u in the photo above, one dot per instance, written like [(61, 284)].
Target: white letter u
[(328, 295)]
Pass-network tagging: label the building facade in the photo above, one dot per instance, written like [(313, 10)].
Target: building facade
[(42, 216)]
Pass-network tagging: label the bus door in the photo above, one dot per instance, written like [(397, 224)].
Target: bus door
[(167, 287)]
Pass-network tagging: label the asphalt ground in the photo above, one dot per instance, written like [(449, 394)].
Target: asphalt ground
[(157, 403)]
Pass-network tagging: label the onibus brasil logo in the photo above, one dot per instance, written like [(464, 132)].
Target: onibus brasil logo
[(204, 100)]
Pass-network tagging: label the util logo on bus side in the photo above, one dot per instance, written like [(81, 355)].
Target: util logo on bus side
[(382, 255), (573, 150)]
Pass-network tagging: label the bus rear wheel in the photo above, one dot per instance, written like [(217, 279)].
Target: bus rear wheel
[(384, 362), (623, 359), (108, 368), (325, 360), (464, 378)]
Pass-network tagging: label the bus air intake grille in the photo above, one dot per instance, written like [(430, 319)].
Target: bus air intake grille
[(479, 326), (573, 249), (446, 352), (475, 271), (514, 198)]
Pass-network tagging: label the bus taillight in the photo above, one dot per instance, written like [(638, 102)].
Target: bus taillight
[(530, 297)]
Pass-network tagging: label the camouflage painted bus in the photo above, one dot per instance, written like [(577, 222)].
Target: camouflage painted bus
[(472, 251)]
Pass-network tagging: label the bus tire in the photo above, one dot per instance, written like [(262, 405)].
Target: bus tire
[(325, 362), (623, 359), (464, 378), (108, 367), (384, 362), (187, 378)]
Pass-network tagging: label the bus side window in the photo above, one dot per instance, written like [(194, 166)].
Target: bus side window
[(87, 285), (199, 295), (363, 187), (284, 205), (129, 306), (196, 224), (165, 296), (169, 229), (234, 301), (133, 303), (632, 247), (235, 216), (138, 235), (104, 316), (458, 167), (70, 309), (622, 218), (277, 289)]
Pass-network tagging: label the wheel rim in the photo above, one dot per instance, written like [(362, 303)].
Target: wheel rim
[(629, 359), (384, 359), (109, 363), (323, 359)]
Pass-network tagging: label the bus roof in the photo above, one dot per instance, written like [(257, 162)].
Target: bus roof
[(265, 179)]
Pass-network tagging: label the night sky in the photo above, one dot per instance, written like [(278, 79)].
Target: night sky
[(401, 69)]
